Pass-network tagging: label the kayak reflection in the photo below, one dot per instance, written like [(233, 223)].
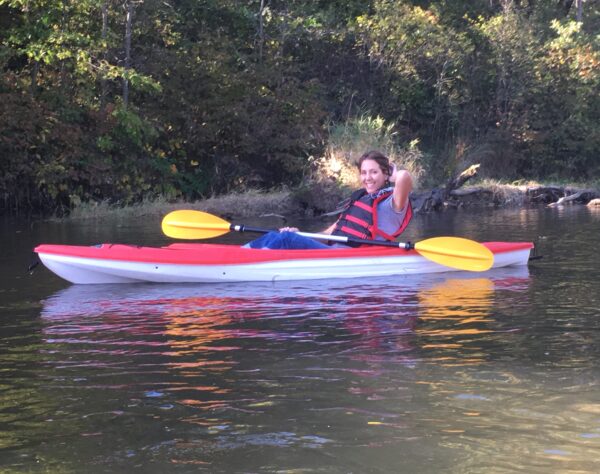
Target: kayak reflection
[(184, 319), (218, 354)]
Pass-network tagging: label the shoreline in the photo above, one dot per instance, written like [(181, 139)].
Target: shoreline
[(321, 201)]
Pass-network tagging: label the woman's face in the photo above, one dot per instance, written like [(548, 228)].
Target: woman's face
[(372, 176)]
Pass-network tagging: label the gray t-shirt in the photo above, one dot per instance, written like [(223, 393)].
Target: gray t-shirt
[(388, 219)]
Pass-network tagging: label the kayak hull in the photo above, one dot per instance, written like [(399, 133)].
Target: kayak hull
[(212, 263)]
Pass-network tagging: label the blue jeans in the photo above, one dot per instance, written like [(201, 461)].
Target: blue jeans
[(285, 240)]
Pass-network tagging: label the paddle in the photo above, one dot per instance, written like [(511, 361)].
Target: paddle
[(455, 252)]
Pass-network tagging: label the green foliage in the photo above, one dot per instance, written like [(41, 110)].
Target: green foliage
[(473, 84), (132, 130), (224, 96), (425, 66), (565, 137), (40, 155)]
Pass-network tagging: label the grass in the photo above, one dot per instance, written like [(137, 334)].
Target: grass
[(244, 204), (349, 140)]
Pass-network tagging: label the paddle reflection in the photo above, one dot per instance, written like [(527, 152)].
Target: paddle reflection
[(457, 318)]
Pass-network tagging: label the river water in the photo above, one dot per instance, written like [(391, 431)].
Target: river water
[(450, 373)]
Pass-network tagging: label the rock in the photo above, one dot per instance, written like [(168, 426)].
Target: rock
[(594, 203)]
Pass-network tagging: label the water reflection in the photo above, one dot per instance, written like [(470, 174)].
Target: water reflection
[(454, 310), (594, 211), (183, 321), (259, 366), (457, 317), (199, 334)]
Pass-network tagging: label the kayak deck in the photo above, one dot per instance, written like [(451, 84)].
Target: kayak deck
[(210, 263)]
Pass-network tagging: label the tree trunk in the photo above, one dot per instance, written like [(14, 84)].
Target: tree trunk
[(33, 74), (565, 5), (579, 14), (104, 35), (261, 30), (63, 66), (127, 66)]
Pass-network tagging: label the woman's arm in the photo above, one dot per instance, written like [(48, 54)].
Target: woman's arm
[(403, 185), (329, 229)]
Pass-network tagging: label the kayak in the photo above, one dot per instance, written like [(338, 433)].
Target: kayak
[(213, 263)]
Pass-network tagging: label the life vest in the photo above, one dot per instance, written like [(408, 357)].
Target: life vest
[(359, 219)]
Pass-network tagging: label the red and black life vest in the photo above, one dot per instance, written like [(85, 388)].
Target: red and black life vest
[(359, 219)]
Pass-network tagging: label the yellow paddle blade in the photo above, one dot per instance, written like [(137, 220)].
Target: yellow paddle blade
[(457, 252), (186, 224)]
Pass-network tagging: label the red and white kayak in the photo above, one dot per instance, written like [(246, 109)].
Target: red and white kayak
[(211, 263)]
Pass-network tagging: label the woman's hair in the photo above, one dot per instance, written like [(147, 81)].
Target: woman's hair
[(382, 160)]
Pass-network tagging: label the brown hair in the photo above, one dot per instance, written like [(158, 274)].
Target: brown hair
[(378, 157)]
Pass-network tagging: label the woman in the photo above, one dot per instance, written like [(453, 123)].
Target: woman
[(379, 211)]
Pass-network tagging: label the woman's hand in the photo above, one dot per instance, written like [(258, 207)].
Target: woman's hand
[(288, 229)]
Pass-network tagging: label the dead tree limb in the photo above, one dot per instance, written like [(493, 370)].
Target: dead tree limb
[(438, 197), (584, 195)]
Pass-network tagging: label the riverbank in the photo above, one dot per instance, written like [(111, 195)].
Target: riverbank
[(244, 204), (318, 199)]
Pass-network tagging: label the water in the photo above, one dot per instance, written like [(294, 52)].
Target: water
[(449, 373)]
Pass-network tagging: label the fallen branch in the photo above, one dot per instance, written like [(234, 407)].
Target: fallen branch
[(583, 195), (462, 178), (545, 193), (469, 191), (437, 197)]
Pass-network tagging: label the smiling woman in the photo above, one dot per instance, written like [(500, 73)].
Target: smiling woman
[(380, 210)]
